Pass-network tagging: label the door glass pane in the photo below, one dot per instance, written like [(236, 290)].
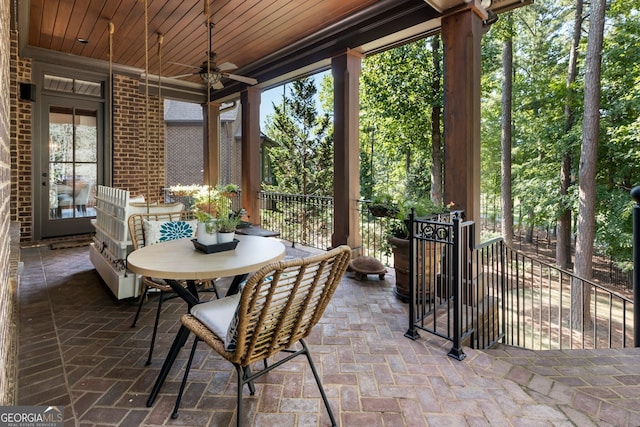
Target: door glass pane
[(86, 136), (83, 87), (73, 169), (61, 190), (85, 193), (60, 134), (59, 84)]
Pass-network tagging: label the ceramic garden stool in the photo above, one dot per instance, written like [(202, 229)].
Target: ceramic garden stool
[(365, 265)]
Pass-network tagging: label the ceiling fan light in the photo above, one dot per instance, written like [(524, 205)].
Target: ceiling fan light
[(485, 4), (210, 78)]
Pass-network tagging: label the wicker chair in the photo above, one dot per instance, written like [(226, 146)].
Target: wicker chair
[(277, 308), (138, 239)]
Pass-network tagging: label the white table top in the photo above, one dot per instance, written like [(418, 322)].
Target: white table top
[(179, 260)]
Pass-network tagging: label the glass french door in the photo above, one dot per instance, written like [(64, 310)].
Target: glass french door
[(70, 168)]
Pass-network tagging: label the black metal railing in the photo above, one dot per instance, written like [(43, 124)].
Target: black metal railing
[(442, 288), (375, 231), (474, 295), (539, 313), (299, 218), (308, 220), (189, 201), (478, 295)]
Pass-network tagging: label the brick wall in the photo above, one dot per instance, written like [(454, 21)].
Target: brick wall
[(138, 161), (130, 171), (8, 368), (21, 151), (184, 154)]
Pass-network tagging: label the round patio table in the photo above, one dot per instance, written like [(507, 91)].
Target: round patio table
[(179, 260)]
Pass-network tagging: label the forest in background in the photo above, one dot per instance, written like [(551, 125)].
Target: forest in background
[(401, 122)]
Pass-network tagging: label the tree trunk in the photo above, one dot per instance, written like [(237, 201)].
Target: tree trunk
[(528, 237), (436, 119), (563, 244), (407, 164), (507, 90), (580, 298)]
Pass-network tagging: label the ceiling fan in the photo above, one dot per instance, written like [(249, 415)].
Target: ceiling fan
[(211, 73)]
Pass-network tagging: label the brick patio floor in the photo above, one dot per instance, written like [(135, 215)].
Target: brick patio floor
[(77, 350)]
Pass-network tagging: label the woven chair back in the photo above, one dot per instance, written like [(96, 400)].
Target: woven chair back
[(281, 303)]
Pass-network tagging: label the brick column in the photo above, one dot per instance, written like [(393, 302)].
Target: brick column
[(346, 151), (251, 168)]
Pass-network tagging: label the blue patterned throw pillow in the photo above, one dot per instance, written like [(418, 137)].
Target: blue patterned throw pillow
[(164, 231), (175, 230)]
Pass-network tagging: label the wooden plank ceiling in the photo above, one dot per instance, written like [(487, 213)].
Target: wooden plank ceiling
[(265, 39), (244, 31)]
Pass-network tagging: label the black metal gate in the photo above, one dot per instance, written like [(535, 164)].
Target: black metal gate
[(455, 287)]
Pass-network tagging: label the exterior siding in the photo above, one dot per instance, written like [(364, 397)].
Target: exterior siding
[(184, 145)]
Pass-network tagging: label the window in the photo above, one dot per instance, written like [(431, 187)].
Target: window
[(74, 86)]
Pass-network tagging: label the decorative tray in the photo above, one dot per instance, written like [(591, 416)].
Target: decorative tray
[(219, 247)]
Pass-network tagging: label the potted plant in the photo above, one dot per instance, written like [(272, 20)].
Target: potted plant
[(398, 239), (208, 199), (184, 194), (227, 227), (207, 228), (383, 205), (229, 190)]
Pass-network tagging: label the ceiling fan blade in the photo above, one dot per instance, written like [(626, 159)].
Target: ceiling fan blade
[(243, 79), (180, 76), (217, 85), (227, 66), (183, 65)]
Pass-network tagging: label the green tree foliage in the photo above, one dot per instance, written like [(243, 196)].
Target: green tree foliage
[(542, 41), (396, 101), (619, 152), (541, 57), (303, 157)]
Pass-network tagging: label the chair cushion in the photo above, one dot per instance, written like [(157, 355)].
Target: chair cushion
[(221, 316), (163, 231), (217, 314), (231, 337)]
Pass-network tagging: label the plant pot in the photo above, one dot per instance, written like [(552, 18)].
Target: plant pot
[(400, 248), (381, 211), (205, 238), (226, 237), (401, 263)]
